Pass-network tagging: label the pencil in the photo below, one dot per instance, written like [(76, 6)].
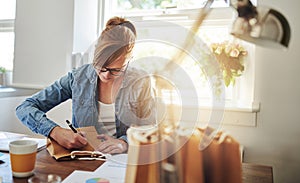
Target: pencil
[(71, 126)]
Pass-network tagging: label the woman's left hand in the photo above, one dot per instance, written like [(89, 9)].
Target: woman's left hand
[(111, 145)]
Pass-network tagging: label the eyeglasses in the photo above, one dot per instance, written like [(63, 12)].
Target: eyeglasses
[(115, 71)]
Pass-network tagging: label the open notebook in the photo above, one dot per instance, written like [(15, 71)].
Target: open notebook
[(6, 137), (60, 153)]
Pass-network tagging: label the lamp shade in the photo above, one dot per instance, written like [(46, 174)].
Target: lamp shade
[(262, 26)]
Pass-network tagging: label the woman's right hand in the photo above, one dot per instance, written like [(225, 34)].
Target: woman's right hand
[(67, 138)]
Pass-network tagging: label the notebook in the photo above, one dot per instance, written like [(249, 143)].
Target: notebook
[(60, 153), (6, 137)]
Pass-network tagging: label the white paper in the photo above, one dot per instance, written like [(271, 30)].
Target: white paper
[(78, 176), (4, 156), (6, 137), (114, 170)]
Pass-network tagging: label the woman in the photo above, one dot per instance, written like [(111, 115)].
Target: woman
[(106, 94)]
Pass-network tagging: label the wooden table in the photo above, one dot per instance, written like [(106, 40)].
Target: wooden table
[(45, 164)]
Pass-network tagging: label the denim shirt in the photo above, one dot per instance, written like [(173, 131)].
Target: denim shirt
[(134, 103)]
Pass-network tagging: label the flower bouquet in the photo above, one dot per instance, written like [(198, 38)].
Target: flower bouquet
[(230, 57)]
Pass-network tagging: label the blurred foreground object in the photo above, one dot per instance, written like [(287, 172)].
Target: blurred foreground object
[(201, 156)]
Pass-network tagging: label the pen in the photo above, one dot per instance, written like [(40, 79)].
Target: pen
[(71, 126)]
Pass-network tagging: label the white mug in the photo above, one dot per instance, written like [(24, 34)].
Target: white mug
[(22, 157)]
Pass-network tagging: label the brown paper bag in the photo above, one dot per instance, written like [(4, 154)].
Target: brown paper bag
[(222, 160), (60, 153), (204, 156), (192, 160), (142, 165)]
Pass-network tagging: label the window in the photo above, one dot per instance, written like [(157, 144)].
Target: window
[(7, 36), (162, 28), (161, 31)]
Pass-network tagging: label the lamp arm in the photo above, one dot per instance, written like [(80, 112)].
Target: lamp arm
[(188, 43)]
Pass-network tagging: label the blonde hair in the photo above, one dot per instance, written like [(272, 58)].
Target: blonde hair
[(117, 39)]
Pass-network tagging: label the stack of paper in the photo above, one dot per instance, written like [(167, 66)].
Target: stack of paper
[(6, 137)]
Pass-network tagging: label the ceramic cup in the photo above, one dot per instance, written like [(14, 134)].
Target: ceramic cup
[(22, 157)]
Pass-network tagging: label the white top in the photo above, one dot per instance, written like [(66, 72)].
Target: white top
[(106, 118)]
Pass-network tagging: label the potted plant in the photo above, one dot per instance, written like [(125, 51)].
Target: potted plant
[(2, 75)]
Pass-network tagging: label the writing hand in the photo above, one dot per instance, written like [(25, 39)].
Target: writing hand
[(111, 145), (67, 138)]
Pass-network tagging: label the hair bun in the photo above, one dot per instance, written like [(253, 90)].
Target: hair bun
[(115, 21)]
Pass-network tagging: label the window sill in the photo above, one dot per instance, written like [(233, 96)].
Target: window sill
[(232, 116), (15, 92), (254, 108), (236, 116)]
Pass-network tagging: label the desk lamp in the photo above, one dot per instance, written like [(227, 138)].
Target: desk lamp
[(260, 25)]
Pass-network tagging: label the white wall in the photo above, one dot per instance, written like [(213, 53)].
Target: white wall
[(43, 41), (47, 32), (85, 24), (275, 140)]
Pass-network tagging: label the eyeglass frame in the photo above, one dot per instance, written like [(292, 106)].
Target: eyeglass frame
[(111, 70)]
